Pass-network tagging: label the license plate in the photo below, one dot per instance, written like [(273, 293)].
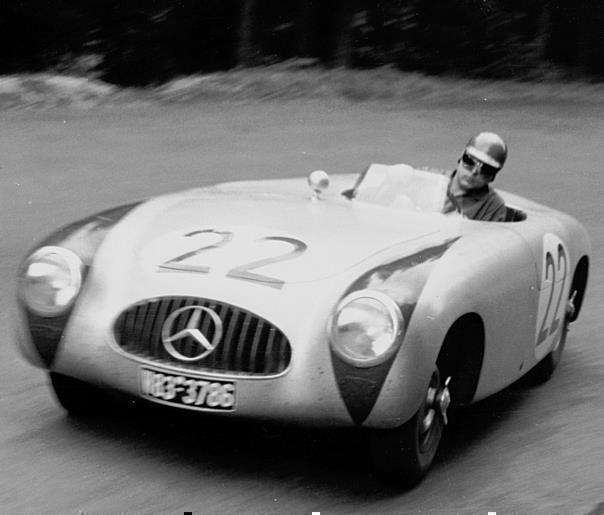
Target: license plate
[(187, 391)]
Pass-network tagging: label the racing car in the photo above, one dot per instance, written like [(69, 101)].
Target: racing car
[(332, 301)]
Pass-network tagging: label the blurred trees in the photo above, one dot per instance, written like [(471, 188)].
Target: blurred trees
[(139, 42)]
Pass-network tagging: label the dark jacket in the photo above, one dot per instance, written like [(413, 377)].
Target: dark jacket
[(483, 204)]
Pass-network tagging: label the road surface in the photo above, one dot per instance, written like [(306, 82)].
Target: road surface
[(527, 450)]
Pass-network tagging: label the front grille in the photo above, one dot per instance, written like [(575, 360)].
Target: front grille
[(249, 344)]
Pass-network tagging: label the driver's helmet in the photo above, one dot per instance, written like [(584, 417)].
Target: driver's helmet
[(489, 148)]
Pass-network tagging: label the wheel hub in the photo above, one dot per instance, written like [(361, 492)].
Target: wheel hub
[(443, 401), (439, 401), (570, 306), (428, 421)]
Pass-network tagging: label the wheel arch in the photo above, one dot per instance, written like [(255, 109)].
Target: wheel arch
[(461, 356)]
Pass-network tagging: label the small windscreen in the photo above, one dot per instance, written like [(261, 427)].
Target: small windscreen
[(402, 187)]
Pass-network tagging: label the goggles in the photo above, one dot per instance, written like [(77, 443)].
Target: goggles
[(472, 163)]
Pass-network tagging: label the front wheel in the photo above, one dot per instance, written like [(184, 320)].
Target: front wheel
[(404, 454)]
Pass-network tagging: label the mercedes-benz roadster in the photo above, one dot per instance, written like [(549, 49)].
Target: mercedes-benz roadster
[(360, 304)]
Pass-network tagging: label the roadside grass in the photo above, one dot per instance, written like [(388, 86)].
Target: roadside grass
[(288, 81)]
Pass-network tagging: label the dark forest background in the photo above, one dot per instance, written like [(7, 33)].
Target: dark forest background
[(142, 42)]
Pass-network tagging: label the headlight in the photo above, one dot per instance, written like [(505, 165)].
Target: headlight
[(50, 279), (366, 327)]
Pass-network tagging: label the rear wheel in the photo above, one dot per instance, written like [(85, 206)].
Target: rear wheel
[(404, 454), (77, 397), (546, 367)]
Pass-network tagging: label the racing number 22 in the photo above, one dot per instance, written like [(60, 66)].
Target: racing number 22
[(555, 269), (243, 272)]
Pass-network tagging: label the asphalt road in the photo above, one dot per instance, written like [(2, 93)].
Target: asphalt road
[(527, 450)]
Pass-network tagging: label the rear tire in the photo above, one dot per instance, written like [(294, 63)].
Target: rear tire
[(544, 370), (404, 454), (77, 397)]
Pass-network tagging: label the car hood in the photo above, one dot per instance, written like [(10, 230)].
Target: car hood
[(260, 236)]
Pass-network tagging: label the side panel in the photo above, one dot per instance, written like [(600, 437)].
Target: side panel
[(557, 243), (488, 271)]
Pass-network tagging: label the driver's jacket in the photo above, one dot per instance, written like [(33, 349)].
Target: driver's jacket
[(483, 204)]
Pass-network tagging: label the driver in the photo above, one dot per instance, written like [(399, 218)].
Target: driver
[(469, 191)]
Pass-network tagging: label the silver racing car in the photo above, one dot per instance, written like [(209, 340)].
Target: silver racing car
[(354, 302)]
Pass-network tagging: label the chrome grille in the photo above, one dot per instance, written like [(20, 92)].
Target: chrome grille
[(249, 345)]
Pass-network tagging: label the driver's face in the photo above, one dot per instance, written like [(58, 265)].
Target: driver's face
[(471, 177)]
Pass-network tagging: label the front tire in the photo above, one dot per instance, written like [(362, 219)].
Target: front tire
[(404, 454), (77, 397)]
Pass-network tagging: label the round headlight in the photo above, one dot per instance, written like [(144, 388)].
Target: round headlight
[(366, 328), (50, 279)]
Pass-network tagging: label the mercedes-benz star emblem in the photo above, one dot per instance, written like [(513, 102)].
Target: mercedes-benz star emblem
[(191, 330)]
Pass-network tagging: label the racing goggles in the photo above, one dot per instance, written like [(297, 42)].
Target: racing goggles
[(483, 169)]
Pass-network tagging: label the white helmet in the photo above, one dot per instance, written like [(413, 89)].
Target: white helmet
[(488, 148)]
